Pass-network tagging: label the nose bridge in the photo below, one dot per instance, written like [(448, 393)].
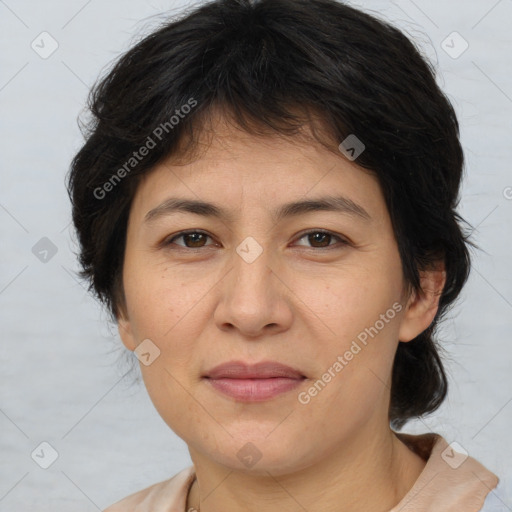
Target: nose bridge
[(250, 294), (251, 268)]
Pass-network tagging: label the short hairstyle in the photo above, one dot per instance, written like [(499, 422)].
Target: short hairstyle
[(275, 66)]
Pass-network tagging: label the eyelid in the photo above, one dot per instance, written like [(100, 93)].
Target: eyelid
[(341, 239)]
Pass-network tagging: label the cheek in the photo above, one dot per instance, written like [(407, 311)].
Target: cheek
[(159, 299), (168, 390), (357, 317), (353, 380), (346, 303)]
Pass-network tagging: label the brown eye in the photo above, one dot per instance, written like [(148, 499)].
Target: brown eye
[(192, 239), (322, 239)]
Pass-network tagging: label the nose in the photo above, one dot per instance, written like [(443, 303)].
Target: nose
[(254, 298)]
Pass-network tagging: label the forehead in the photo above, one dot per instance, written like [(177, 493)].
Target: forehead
[(239, 169), (217, 135)]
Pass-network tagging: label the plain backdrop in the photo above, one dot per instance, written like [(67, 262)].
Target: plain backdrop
[(65, 376)]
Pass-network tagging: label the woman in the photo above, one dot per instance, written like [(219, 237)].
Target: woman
[(266, 203)]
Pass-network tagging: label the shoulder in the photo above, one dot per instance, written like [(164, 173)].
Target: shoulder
[(168, 495)]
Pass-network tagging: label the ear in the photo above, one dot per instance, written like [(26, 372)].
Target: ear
[(422, 306), (124, 327)]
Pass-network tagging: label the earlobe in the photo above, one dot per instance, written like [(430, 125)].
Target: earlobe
[(422, 305), (126, 334)]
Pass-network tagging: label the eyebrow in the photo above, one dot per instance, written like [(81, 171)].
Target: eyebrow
[(338, 204)]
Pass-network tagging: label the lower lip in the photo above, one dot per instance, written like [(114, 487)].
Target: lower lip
[(254, 390)]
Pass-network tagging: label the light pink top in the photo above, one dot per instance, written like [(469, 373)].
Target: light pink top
[(449, 482)]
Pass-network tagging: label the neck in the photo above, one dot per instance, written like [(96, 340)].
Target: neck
[(340, 482)]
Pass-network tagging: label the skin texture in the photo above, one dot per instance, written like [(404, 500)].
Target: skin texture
[(298, 303)]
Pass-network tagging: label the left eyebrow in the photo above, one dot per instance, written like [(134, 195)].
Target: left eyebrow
[(339, 204)]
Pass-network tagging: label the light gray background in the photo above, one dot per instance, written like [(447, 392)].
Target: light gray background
[(62, 364)]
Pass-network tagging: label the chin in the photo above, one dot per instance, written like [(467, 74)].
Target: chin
[(260, 455)]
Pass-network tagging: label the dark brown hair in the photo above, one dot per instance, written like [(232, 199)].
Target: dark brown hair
[(272, 64)]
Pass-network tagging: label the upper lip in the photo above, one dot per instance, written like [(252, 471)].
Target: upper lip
[(263, 370)]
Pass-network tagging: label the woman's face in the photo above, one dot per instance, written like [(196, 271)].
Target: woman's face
[(254, 286)]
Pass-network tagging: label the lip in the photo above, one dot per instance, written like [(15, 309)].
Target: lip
[(253, 382), (263, 370)]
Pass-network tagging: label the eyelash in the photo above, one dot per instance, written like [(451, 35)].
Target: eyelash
[(169, 241)]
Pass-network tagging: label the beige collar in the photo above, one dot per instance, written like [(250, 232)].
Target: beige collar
[(451, 481)]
